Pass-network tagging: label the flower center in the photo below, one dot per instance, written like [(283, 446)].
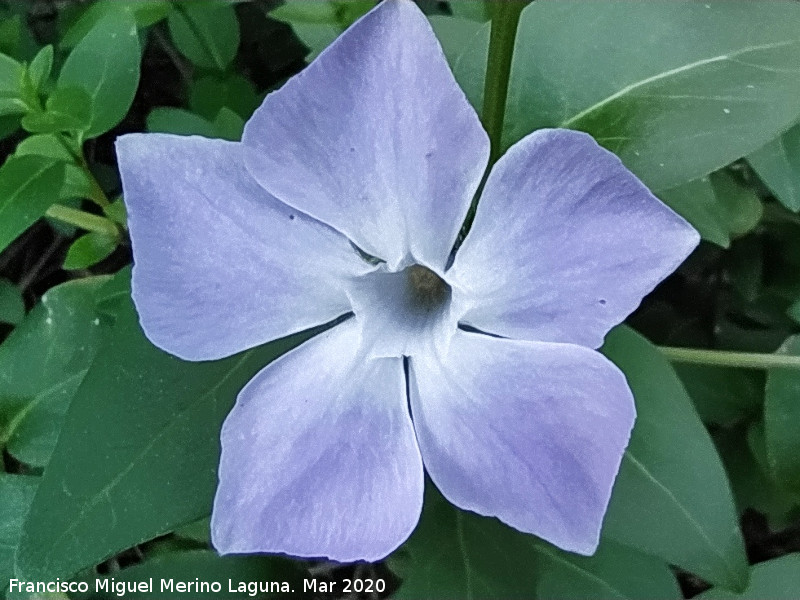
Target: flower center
[(427, 291), (402, 312)]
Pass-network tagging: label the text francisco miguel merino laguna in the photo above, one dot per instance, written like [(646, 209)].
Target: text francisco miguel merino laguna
[(120, 588)]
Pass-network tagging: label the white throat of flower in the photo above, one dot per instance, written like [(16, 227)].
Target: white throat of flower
[(403, 312)]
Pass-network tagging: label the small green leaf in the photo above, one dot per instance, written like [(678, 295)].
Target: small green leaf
[(208, 566), (12, 306), (753, 487), (40, 68), (721, 395), (781, 418), (672, 498), (106, 65), (228, 125), (778, 166), (67, 109), (11, 73), (28, 186), (211, 94), (16, 494), (44, 361), (458, 554), (120, 476), (317, 24), (89, 249), (206, 32), (718, 206), (776, 579), (77, 183), (116, 212), (742, 208), (178, 121)]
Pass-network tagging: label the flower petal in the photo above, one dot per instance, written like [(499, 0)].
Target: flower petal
[(375, 138), (319, 456), (565, 243), (532, 433), (220, 265)]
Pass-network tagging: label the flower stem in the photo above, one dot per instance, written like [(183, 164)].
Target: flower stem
[(505, 19), (726, 358), (83, 219)]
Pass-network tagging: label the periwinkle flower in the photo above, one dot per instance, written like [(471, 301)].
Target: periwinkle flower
[(484, 371)]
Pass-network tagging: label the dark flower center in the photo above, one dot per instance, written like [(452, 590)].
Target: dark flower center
[(426, 290)]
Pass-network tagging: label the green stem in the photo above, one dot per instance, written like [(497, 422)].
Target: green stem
[(726, 358), (82, 219), (498, 69)]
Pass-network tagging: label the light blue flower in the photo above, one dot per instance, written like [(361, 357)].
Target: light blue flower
[(374, 150)]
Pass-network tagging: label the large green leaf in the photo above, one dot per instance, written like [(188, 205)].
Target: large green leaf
[(138, 451), (778, 166), (16, 493), (208, 567), (44, 361), (458, 554), (776, 579), (677, 88), (29, 185), (782, 420), (672, 498), (105, 63)]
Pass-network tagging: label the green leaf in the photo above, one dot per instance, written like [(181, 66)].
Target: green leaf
[(106, 65), (16, 493), (672, 498), (211, 94), (465, 43), (781, 419), (40, 68), (77, 183), (11, 73), (696, 202), (207, 566), (778, 166), (178, 121), (458, 554), (317, 24), (753, 486), (723, 396), (28, 186), (206, 32), (122, 475), (672, 111), (89, 249), (146, 13), (741, 206), (117, 213), (227, 124), (12, 306), (477, 10), (67, 109), (776, 579), (44, 361)]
